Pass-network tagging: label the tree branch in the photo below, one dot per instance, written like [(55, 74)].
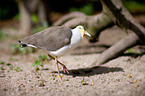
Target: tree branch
[(112, 10), (117, 49), (126, 20), (124, 17), (68, 17), (94, 24)]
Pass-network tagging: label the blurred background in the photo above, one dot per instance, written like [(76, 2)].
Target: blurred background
[(19, 18), (28, 71)]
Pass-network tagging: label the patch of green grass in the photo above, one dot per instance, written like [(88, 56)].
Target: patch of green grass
[(44, 58), (87, 9), (13, 59), (2, 68), (17, 69), (2, 62), (130, 50), (76, 59), (83, 82), (22, 50), (37, 62), (8, 64)]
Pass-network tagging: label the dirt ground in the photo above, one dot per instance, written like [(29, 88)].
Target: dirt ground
[(122, 76)]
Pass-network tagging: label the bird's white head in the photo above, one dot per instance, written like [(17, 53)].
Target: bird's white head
[(82, 31)]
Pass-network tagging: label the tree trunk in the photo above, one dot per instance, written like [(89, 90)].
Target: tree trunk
[(25, 20), (27, 8), (42, 14)]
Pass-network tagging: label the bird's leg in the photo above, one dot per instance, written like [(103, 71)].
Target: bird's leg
[(64, 67), (58, 69)]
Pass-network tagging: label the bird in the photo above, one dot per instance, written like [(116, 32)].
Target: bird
[(57, 41)]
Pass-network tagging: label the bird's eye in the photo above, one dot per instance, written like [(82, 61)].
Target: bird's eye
[(80, 28)]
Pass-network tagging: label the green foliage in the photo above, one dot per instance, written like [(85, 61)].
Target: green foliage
[(37, 62), (87, 9), (134, 6), (2, 35), (34, 18), (13, 59), (17, 16), (83, 82), (130, 50), (8, 64), (2, 68), (76, 59), (17, 69), (2, 62), (23, 50), (15, 49), (44, 57)]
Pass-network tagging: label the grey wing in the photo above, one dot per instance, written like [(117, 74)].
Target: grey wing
[(50, 39)]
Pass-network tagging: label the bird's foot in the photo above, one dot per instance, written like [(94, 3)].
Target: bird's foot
[(57, 61), (65, 69)]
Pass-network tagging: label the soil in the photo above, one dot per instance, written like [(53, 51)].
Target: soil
[(122, 76)]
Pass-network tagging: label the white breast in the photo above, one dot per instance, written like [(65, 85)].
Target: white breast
[(75, 40)]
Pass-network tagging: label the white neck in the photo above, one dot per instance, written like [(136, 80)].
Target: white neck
[(76, 36)]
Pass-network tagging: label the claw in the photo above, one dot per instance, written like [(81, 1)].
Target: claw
[(65, 70)]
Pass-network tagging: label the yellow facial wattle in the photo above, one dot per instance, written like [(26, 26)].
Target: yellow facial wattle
[(82, 31)]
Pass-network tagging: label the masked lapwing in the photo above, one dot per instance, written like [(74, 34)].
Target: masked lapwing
[(57, 40)]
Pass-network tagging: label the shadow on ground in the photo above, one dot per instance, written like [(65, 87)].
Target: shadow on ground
[(91, 71)]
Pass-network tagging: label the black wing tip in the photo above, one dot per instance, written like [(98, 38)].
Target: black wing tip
[(19, 41), (22, 45)]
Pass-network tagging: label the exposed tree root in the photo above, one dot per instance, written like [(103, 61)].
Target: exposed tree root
[(113, 10)]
